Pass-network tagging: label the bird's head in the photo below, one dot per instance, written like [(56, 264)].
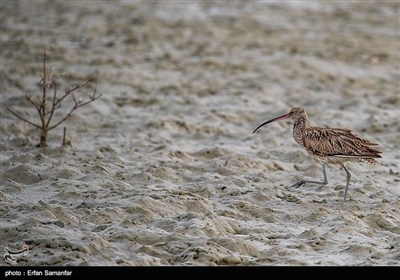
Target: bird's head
[(295, 114)]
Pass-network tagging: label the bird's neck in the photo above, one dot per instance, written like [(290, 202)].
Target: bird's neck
[(299, 126), (301, 123)]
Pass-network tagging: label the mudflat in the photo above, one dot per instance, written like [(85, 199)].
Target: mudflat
[(163, 169)]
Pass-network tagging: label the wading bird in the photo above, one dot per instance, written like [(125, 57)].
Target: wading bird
[(328, 145)]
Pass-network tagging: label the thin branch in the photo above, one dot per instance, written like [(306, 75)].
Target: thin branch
[(95, 91), (29, 97), (64, 118), (81, 104), (70, 90), (77, 105), (37, 106), (55, 93), (64, 137), (53, 105), (45, 88), (44, 78), (73, 97), (21, 118)]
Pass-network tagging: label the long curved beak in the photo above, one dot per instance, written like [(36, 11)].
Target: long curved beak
[(272, 120)]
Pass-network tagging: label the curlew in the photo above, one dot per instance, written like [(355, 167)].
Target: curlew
[(328, 145)]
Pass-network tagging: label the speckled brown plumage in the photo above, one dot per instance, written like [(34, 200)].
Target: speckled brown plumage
[(329, 145)]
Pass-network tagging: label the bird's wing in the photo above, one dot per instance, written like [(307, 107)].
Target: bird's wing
[(338, 142)]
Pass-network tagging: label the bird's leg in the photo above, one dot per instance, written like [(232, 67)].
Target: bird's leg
[(348, 176), (303, 182)]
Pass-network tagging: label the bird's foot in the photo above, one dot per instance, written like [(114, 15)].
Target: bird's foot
[(298, 184)]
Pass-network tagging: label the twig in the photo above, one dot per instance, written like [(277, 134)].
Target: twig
[(76, 106), (64, 134), (21, 118)]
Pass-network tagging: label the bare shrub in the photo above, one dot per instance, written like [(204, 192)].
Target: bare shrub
[(47, 102)]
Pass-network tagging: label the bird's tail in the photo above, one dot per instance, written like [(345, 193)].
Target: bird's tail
[(370, 161)]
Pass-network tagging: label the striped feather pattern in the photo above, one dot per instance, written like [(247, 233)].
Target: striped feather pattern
[(338, 142)]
